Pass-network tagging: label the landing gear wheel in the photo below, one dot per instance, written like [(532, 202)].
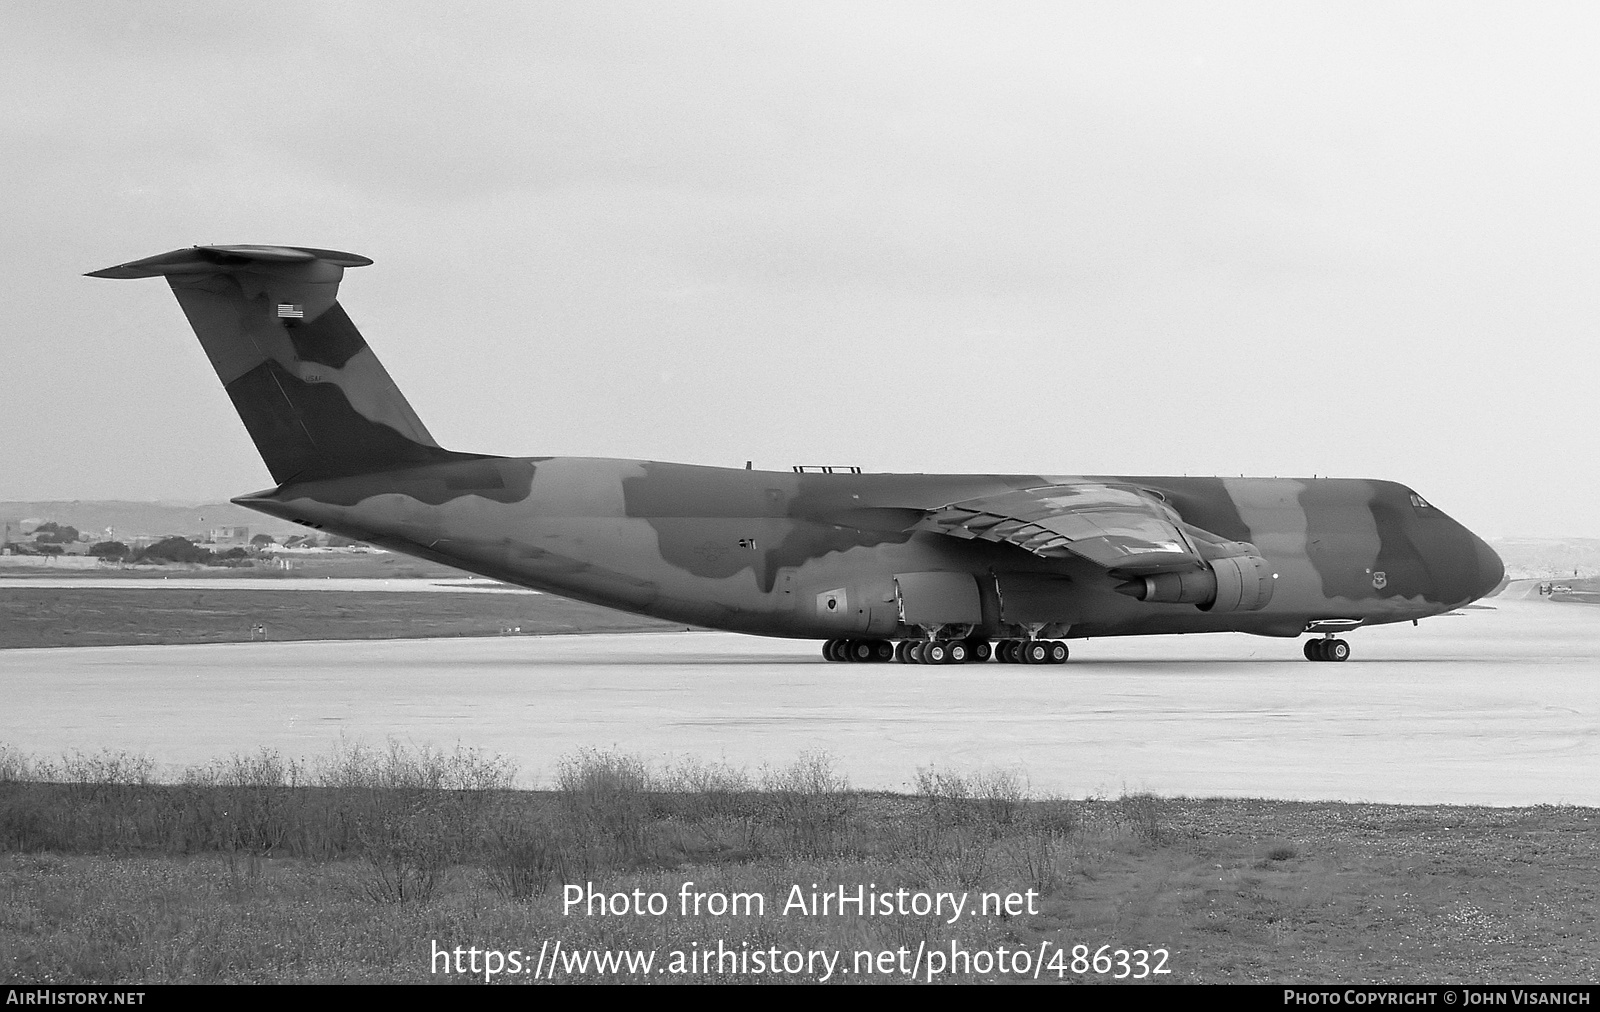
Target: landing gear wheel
[(935, 652), (900, 649), (861, 651), (959, 652), (1007, 651), (914, 652), (980, 650), (882, 650), (828, 649), (1058, 653), (1327, 650), (1036, 652)]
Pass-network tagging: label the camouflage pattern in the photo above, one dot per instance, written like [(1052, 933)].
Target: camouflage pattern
[(800, 554)]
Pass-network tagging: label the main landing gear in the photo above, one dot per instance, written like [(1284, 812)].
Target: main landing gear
[(858, 651), (1032, 652), (870, 651), (1327, 649), (863, 651)]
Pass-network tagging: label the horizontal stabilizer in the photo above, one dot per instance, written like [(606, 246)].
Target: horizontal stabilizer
[(209, 259)]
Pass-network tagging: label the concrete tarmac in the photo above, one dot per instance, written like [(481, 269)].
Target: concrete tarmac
[(1495, 705)]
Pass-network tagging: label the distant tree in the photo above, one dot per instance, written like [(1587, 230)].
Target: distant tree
[(335, 541), (50, 549), (262, 541), (175, 550), (108, 550), (53, 533), (233, 553)]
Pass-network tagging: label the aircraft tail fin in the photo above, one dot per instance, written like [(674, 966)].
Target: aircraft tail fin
[(312, 395)]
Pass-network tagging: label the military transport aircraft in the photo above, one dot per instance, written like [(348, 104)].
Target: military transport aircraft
[(919, 568)]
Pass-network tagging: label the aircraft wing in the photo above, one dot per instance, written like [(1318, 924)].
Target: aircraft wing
[(1116, 527)]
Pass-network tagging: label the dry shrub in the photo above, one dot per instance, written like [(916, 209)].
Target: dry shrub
[(523, 857), (1142, 812), (605, 797), (412, 811), (806, 806), (993, 798), (264, 768), (712, 806), (1037, 857), (15, 764)]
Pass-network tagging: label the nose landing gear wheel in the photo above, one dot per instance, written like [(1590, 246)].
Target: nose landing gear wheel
[(1327, 650)]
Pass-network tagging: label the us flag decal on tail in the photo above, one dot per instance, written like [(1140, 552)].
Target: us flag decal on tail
[(287, 311)]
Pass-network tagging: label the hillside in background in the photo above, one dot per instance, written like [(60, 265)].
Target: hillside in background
[(1529, 558), (158, 518), (1524, 557)]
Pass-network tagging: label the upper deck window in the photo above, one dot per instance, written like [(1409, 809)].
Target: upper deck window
[(1419, 502)]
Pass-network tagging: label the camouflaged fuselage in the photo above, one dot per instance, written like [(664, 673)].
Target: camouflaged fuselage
[(764, 552), (796, 554)]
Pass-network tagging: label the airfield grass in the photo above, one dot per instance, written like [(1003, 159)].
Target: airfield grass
[(350, 867), (45, 617)]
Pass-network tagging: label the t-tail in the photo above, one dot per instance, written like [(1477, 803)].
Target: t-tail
[(313, 396)]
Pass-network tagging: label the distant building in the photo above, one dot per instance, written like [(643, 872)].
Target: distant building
[(229, 536)]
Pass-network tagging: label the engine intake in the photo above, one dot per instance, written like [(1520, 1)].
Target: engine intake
[(1236, 583)]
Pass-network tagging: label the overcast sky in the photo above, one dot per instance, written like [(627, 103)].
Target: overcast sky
[(1276, 239)]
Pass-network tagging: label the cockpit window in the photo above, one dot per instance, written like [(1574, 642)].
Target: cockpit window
[(1419, 502)]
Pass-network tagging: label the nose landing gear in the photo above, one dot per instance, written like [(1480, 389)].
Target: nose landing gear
[(1327, 649)]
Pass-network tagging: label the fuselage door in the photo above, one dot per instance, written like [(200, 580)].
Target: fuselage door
[(938, 599)]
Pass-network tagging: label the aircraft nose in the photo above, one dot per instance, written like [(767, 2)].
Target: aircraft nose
[(1490, 569)]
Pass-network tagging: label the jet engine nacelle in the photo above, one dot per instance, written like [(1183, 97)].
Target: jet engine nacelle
[(1237, 583)]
